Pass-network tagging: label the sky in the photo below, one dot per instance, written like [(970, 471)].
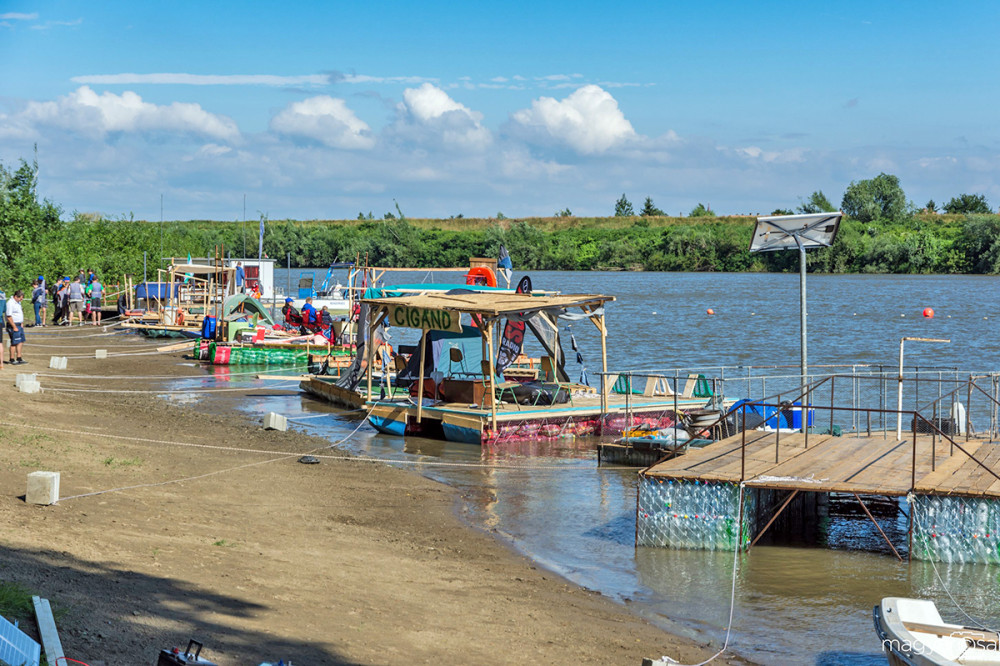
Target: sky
[(322, 110)]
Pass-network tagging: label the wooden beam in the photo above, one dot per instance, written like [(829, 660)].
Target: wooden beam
[(420, 386), (47, 629)]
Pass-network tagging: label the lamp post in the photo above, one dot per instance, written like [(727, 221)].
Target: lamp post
[(785, 232), (899, 392)]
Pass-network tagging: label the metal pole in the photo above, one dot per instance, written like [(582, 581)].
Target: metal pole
[(161, 232), (802, 312), (144, 267), (288, 277), (245, 226)]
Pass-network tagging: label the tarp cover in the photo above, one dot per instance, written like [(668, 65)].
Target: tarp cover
[(438, 344)]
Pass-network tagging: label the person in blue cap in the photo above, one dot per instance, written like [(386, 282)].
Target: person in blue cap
[(291, 314)]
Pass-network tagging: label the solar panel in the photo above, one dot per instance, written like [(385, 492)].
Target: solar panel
[(785, 232), (16, 648)]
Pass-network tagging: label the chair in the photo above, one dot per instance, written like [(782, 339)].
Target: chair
[(492, 388), (455, 356), (548, 375)]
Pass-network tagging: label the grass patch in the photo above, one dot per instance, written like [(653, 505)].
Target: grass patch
[(222, 543), (15, 602), (111, 461), (33, 463)]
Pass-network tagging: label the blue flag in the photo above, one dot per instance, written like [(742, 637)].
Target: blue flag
[(505, 265)]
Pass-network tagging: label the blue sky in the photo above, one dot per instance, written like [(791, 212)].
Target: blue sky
[(324, 109)]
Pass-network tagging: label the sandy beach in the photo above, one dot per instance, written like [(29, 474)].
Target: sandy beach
[(218, 534)]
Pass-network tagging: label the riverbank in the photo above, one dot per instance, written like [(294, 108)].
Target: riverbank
[(256, 555)]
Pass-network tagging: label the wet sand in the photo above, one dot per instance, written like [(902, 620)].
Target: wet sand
[(256, 555)]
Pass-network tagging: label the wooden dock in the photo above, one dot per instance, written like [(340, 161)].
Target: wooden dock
[(856, 463)]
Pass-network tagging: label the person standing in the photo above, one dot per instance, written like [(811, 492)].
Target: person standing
[(15, 327), (59, 302), (96, 298), (240, 276), (38, 300), (76, 300)]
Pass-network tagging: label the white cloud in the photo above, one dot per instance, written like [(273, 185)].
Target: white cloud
[(16, 16), (428, 114), (84, 111), (167, 78), (588, 121), (325, 119)]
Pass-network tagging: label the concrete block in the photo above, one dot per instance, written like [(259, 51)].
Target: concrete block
[(275, 421), (29, 386), (24, 376), (43, 488), (57, 362), (101, 353)]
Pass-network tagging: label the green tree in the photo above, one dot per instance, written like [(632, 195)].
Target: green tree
[(565, 212), (816, 203), (931, 207), (879, 198), (701, 210), (968, 204), (649, 210), (782, 211), (623, 207)]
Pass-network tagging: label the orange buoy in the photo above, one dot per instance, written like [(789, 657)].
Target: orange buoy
[(710, 311), (929, 313)]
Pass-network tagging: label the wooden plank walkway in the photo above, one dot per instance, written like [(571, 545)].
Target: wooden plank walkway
[(851, 464)]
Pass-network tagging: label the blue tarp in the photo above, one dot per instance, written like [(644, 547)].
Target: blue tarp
[(161, 290)]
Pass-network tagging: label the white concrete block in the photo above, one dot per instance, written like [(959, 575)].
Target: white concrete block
[(101, 353), (29, 386), (57, 362), (43, 488), (24, 376), (275, 421)]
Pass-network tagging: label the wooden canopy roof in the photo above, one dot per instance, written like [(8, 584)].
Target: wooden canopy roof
[(491, 304)]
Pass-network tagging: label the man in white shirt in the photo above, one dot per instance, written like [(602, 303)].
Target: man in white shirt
[(15, 327)]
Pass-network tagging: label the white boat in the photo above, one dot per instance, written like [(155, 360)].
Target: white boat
[(331, 294), (913, 634)]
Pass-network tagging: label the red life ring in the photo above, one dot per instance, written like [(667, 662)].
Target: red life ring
[(477, 273)]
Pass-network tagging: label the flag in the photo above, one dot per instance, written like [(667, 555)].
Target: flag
[(260, 244), (505, 265)]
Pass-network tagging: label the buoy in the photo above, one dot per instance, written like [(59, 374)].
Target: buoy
[(710, 311), (929, 313), (902, 315)]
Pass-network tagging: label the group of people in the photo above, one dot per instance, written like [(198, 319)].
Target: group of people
[(73, 299)]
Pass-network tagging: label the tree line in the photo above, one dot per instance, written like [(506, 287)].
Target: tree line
[(878, 236)]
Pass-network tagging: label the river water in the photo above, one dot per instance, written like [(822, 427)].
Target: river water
[(808, 603)]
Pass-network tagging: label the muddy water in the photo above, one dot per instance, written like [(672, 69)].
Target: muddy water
[(804, 603)]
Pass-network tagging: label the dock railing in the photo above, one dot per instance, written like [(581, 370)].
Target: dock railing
[(776, 408)]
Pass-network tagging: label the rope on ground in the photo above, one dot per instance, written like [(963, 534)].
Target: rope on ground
[(244, 389), (237, 449), (916, 517), (221, 377)]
